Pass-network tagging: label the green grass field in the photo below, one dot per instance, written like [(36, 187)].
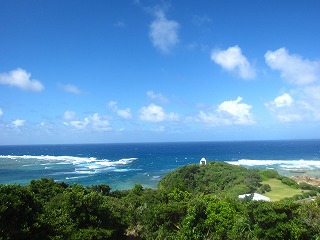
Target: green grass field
[(279, 190)]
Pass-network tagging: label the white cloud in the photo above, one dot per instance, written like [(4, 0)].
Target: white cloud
[(1, 112), (18, 123), (234, 61), (91, 122), (70, 88), (305, 107), (284, 100), (98, 122), (78, 124), (306, 75), (155, 113), (124, 113), (229, 113), (293, 68), (69, 115), (286, 109), (157, 96), (21, 78), (164, 32), (211, 119), (113, 104)]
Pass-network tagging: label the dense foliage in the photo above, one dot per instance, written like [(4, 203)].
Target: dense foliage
[(216, 178), (192, 202)]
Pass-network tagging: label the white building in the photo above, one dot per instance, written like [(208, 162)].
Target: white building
[(256, 197), (203, 161)]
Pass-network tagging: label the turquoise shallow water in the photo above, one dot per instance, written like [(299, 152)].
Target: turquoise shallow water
[(123, 165)]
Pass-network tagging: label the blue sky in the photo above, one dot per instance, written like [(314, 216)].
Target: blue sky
[(146, 71)]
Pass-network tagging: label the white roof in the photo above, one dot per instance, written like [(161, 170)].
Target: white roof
[(256, 197)]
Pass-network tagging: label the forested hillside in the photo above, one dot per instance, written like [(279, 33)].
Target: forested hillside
[(192, 202), (216, 177)]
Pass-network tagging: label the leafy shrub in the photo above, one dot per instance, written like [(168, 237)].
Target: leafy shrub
[(307, 186), (290, 182), (265, 188), (268, 174)]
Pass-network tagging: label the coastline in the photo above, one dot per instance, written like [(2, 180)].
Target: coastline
[(123, 165), (315, 181)]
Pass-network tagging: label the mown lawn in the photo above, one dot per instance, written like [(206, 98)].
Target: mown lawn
[(279, 190)]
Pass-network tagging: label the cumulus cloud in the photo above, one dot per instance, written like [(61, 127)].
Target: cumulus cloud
[(70, 88), (18, 123), (157, 96), (1, 112), (21, 78), (286, 109), (155, 113), (163, 32), (234, 61), (229, 113), (284, 100), (293, 68), (124, 113), (305, 75), (98, 122), (92, 122)]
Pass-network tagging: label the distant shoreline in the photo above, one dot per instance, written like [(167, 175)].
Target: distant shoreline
[(315, 181)]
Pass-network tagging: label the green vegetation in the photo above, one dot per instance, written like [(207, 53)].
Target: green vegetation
[(280, 190), (215, 178), (192, 202)]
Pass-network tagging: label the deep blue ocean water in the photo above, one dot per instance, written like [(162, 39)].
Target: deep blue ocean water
[(123, 165)]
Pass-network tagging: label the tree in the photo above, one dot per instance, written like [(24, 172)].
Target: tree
[(275, 220), (78, 208), (19, 211), (215, 177), (309, 215), (46, 188), (193, 224), (221, 216), (265, 188), (102, 188)]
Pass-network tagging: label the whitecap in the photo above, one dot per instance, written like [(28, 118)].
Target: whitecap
[(122, 170), (83, 165), (70, 178), (155, 178), (282, 164)]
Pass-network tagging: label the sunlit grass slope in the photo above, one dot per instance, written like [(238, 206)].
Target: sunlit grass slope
[(280, 190)]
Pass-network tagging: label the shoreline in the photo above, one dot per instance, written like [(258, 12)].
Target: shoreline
[(315, 181)]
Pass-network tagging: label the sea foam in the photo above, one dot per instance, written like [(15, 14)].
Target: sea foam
[(83, 165), (279, 164)]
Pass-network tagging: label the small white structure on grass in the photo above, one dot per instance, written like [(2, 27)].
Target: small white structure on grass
[(203, 161), (256, 197)]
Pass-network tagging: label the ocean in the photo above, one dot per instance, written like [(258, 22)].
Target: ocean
[(123, 165)]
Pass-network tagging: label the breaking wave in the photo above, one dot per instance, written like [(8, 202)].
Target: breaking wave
[(289, 165), (82, 165)]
